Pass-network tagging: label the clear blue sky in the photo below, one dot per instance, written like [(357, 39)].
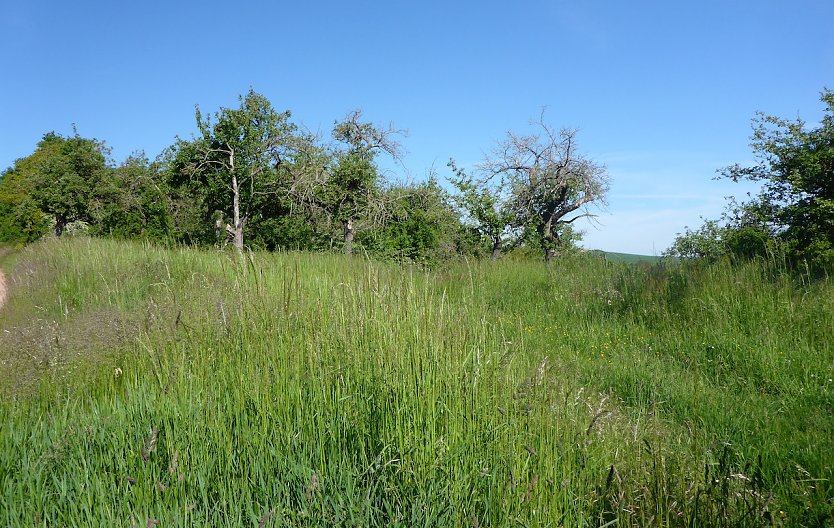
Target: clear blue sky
[(662, 91)]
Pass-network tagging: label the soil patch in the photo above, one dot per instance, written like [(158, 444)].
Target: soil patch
[(2, 289)]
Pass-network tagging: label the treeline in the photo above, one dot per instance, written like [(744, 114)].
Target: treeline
[(251, 178), (792, 216)]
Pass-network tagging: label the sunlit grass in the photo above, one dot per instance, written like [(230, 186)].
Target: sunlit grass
[(196, 388)]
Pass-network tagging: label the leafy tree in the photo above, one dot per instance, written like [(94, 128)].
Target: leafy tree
[(420, 225), (484, 207), (706, 242), (137, 203), (234, 165), (284, 217), (551, 183), (794, 210), (68, 178), (714, 240), (338, 186), (796, 168), (351, 193), (21, 220)]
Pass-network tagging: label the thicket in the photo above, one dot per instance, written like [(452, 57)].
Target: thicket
[(254, 179)]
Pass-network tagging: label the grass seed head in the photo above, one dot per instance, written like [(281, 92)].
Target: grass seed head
[(150, 445)]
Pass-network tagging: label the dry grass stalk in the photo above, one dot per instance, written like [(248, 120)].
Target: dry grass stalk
[(150, 445), (265, 519), (312, 486), (599, 413), (172, 466)]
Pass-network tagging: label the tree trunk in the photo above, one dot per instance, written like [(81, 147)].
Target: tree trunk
[(549, 240), (219, 232), (238, 238), (350, 232), (60, 224), (496, 249), (237, 229)]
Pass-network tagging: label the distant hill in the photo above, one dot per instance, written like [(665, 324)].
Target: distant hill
[(630, 258)]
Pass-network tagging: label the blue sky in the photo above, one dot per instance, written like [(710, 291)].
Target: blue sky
[(662, 92)]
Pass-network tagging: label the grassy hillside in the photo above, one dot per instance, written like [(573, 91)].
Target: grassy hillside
[(630, 258), (196, 389)]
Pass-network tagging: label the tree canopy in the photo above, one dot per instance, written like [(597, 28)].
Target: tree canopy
[(251, 178), (235, 162), (540, 183), (69, 179), (794, 210)]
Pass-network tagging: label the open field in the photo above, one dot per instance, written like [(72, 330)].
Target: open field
[(195, 388), (631, 258)]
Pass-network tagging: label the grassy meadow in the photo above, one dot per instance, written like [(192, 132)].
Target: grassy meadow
[(196, 388)]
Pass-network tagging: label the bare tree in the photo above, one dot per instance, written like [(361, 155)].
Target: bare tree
[(552, 184), (370, 139)]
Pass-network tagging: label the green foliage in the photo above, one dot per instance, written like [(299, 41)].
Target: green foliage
[(705, 242), (352, 185), (227, 174), (714, 240), (348, 199), (796, 166), (793, 212), (548, 186), (70, 181), (420, 225), (60, 183), (137, 203), (67, 182), (251, 175), (21, 221), (563, 240), (748, 242), (483, 206)]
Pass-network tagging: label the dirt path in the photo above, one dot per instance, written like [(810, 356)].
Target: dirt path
[(2, 289)]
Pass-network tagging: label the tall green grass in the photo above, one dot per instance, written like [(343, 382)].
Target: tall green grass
[(198, 388)]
